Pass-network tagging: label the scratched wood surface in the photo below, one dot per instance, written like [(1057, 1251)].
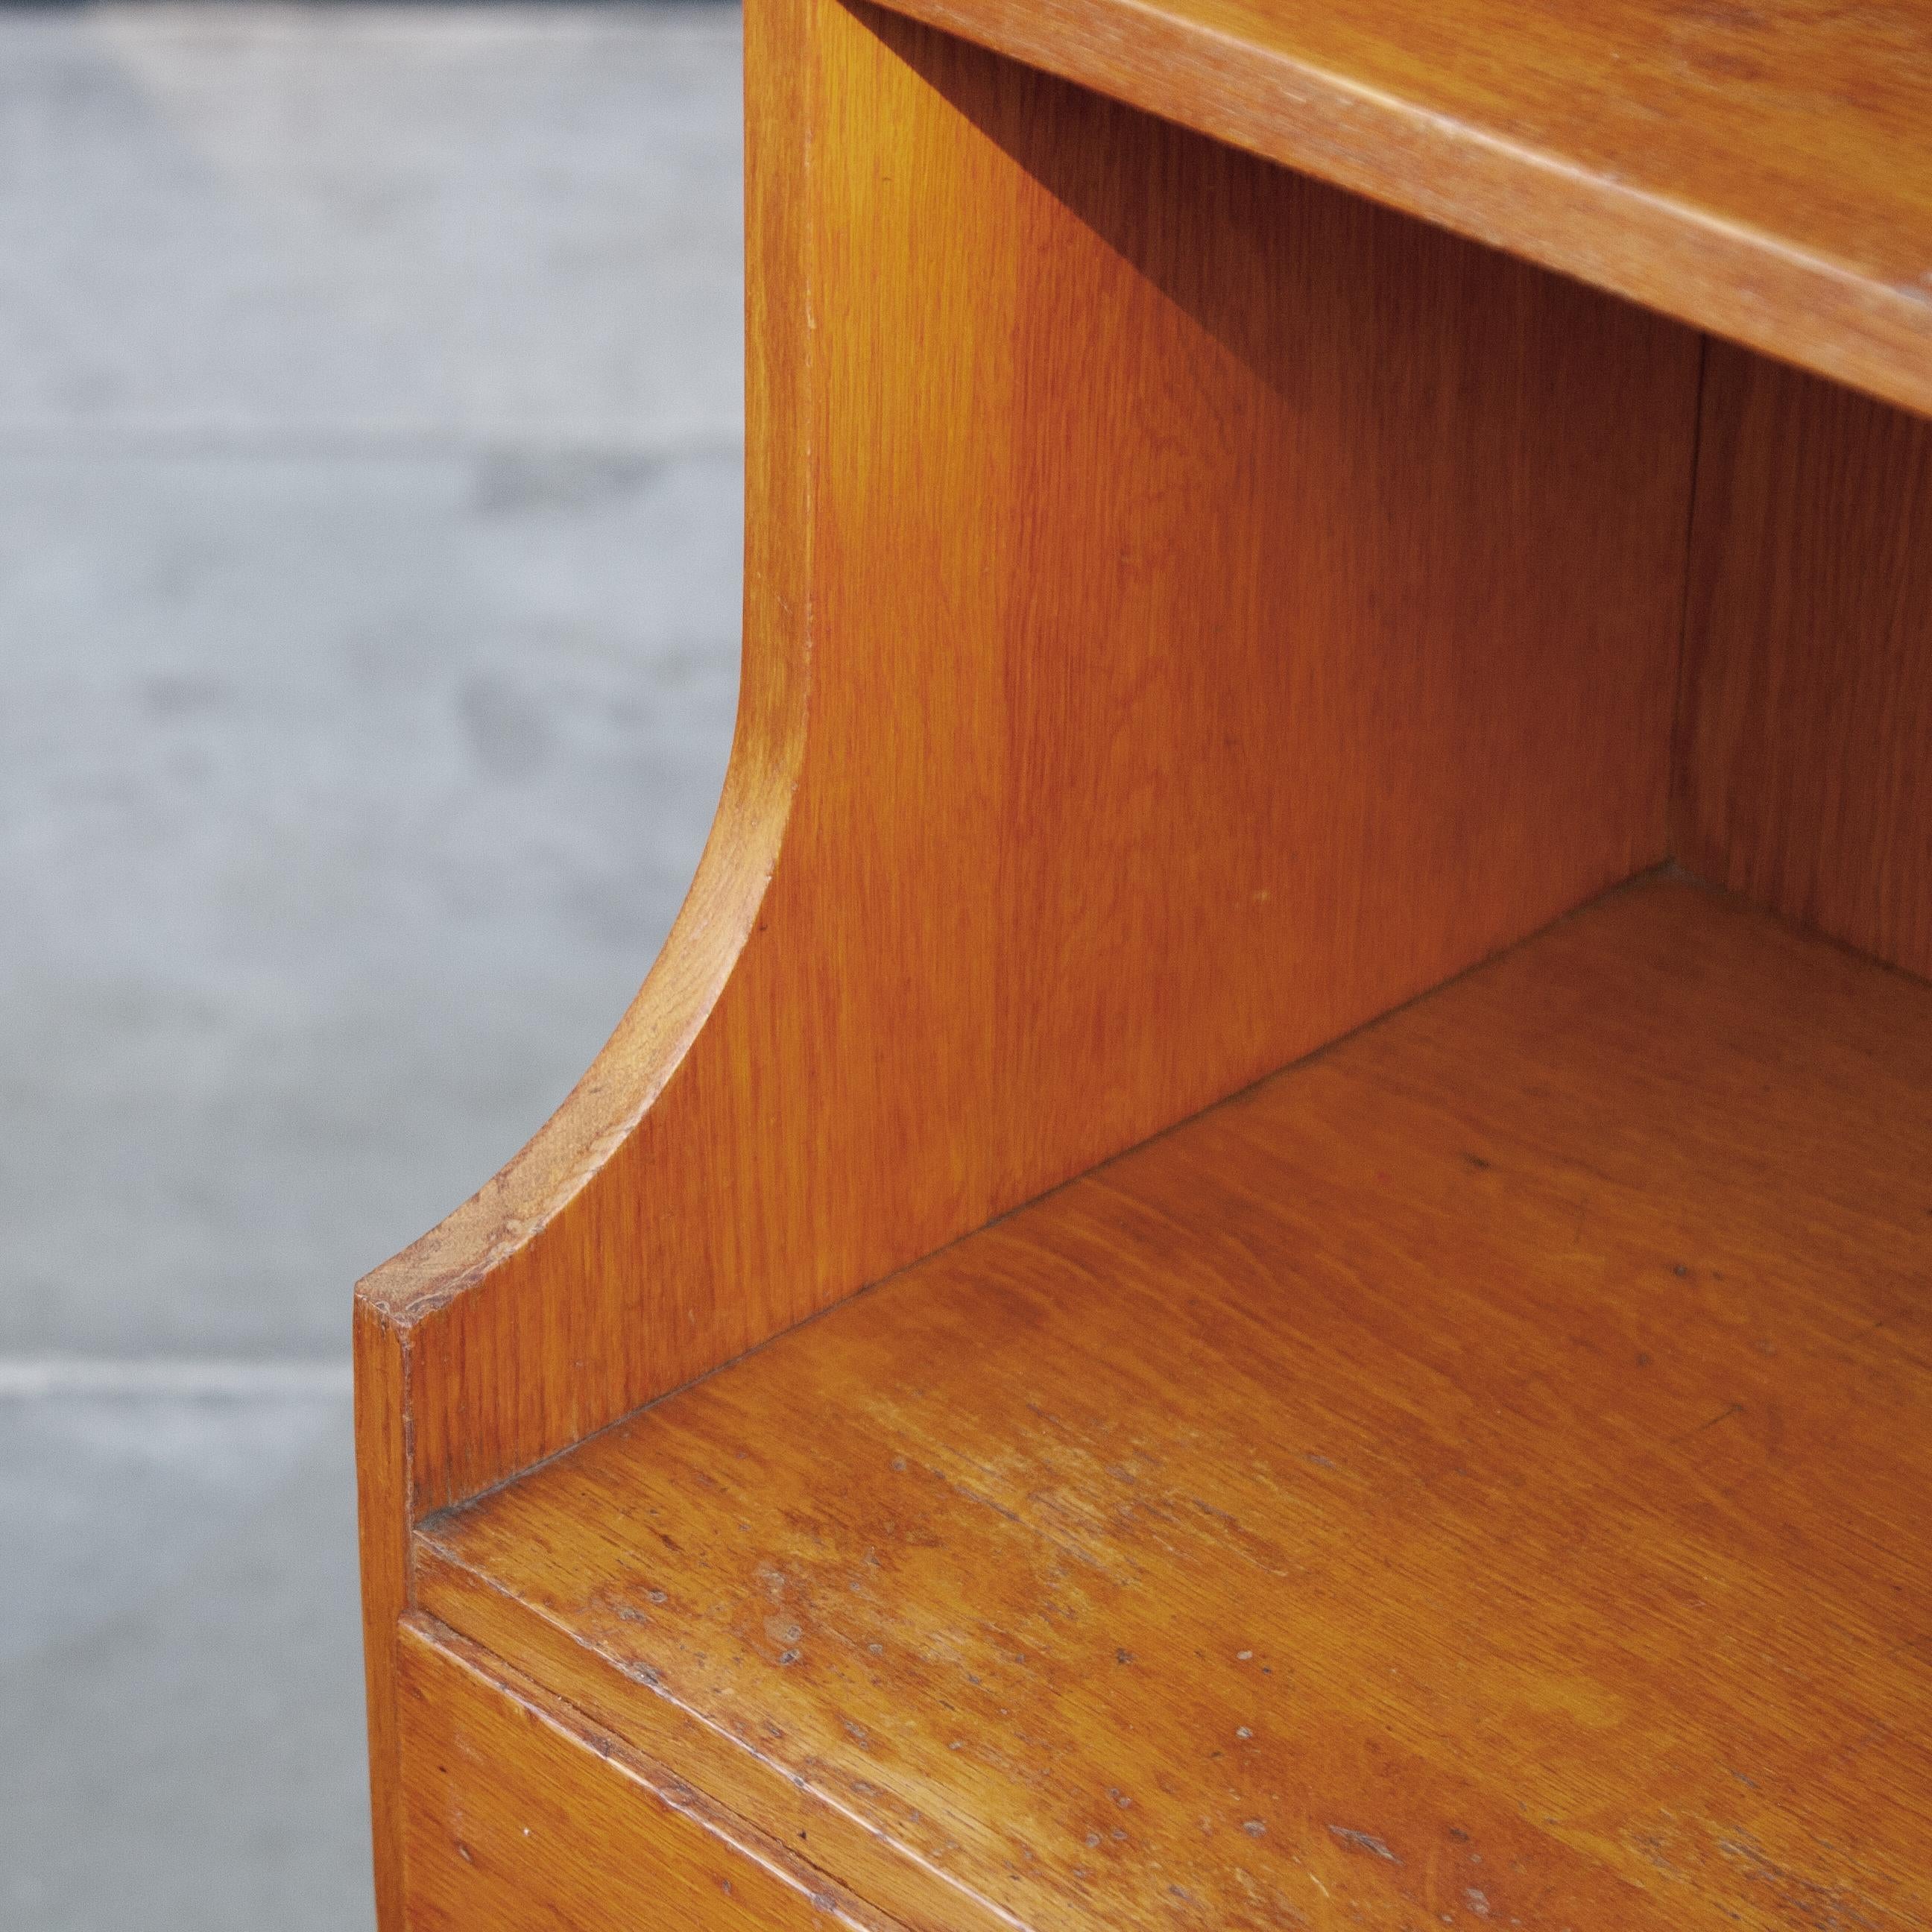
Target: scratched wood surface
[(519, 1817), (1764, 171), (1229, 607), (1804, 761), (1478, 1475)]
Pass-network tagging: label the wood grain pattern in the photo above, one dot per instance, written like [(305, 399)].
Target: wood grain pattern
[(383, 1515), (1804, 761), (522, 1818), (1144, 536), (1476, 1477), (1763, 171)]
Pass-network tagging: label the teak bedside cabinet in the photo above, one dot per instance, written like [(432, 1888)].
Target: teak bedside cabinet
[(1324, 896)]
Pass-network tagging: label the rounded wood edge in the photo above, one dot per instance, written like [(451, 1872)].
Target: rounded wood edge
[(741, 852), (656, 1032)]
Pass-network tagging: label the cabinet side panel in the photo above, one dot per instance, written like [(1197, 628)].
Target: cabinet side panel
[(521, 1818), (382, 1520), (1295, 588), (1804, 762), (1230, 608)]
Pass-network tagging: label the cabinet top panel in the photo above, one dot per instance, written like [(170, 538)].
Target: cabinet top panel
[(1759, 168)]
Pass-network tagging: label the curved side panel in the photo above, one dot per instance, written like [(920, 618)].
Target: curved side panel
[(1229, 608), (435, 1406), (511, 1222)]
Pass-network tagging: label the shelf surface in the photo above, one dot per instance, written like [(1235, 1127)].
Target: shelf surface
[(1478, 1476), (1764, 170)]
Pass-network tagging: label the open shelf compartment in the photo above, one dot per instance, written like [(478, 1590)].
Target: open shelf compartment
[(1472, 1477)]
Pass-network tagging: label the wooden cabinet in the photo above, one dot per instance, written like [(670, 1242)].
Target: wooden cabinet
[(1259, 1257)]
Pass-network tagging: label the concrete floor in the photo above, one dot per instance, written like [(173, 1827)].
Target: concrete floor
[(369, 470)]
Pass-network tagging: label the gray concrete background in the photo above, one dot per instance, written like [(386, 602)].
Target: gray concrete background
[(369, 471)]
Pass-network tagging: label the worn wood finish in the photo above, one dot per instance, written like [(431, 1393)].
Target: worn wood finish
[(1805, 765), (1765, 171), (1214, 638), (791, 1811), (1477, 1476), (521, 1817)]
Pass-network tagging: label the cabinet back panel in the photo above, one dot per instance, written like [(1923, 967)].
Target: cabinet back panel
[(1804, 759)]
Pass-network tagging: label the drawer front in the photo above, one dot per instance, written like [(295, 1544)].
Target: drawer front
[(518, 1816)]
